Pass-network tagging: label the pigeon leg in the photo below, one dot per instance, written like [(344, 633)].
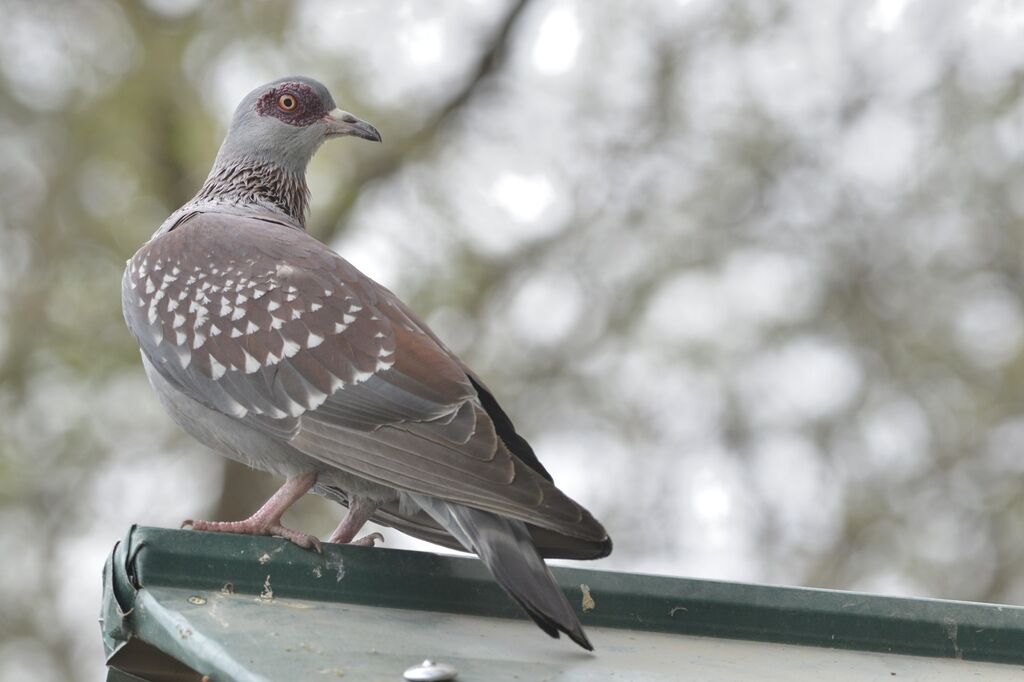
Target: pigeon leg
[(359, 512), (267, 521)]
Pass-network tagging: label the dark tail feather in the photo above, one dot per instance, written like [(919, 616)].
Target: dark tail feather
[(507, 549)]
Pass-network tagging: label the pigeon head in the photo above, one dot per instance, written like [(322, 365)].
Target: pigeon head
[(285, 122)]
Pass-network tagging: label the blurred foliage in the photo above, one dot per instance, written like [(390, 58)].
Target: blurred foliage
[(747, 274)]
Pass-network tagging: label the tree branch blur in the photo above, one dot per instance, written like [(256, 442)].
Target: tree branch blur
[(335, 216)]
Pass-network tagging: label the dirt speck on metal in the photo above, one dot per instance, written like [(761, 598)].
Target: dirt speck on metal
[(588, 601), (337, 564), (268, 592)]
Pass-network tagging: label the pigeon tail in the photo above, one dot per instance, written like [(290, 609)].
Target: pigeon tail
[(507, 549)]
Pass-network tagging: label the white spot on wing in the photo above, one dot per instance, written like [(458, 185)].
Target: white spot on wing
[(314, 340), (290, 348), (295, 409), (216, 369), (251, 364), (316, 396), (236, 408)]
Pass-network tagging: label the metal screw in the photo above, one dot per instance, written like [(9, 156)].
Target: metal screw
[(429, 671)]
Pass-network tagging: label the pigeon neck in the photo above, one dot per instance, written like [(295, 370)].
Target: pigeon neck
[(259, 183)]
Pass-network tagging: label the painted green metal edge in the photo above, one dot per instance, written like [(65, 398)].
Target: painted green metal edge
[(150, 557)]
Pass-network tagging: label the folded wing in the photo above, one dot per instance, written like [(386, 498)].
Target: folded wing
[(264, 323)]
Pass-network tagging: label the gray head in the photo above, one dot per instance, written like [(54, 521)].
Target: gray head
[(285, 122)]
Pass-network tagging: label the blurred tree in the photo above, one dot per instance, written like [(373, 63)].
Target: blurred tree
[(747, 274)]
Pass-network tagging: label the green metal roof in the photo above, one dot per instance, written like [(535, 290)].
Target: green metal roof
[(179, 605)]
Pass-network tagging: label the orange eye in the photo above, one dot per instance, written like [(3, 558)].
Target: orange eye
[(287, 103)]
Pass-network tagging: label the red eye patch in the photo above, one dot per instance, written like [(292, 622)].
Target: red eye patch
[(294, 103)]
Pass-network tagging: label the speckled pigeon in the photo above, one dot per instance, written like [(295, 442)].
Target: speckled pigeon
[(267, 346)]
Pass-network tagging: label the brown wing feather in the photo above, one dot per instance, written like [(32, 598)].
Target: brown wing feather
[(272, 327)]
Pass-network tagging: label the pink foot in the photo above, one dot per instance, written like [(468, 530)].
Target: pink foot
[(267, 521), (256, 526), (359, 512)]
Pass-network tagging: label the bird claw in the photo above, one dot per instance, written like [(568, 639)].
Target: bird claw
[(303, 540), (368, 540)]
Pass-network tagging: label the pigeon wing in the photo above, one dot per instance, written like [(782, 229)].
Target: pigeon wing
[(259, 321)]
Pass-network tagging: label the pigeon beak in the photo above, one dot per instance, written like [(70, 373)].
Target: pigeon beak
[(343, 123)]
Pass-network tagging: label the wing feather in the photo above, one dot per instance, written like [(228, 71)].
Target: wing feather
[(273, 328)]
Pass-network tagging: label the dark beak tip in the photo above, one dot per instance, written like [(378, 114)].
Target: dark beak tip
[(373, 135), (340, 124), (366, 131)]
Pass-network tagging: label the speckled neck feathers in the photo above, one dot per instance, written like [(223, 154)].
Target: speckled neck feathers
[(258, 183)]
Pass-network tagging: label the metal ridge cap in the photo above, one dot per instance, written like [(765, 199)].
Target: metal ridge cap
[(423, 581)]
